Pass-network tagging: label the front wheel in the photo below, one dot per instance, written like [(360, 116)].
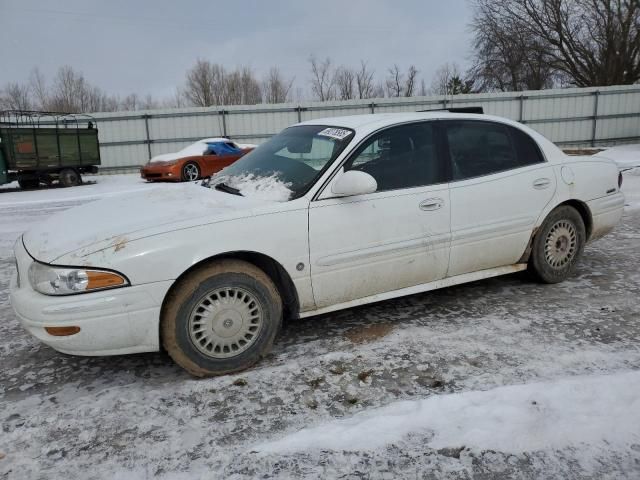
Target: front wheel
[(190, 172), (557, 245), (221, 318)]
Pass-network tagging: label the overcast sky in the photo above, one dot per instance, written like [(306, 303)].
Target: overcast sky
[(126, 46)]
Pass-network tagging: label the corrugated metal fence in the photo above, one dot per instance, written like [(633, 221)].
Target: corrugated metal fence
[(569, 117)]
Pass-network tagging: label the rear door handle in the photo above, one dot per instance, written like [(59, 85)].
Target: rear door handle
[(431, 204), (541, 183)]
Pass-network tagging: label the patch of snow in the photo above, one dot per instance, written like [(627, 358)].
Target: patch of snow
[(583, 410), (95, 186), (246, 145), (631, 190), (625, 156), (269, 188)]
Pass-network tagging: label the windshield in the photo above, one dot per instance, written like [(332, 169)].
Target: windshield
[(288, 163)]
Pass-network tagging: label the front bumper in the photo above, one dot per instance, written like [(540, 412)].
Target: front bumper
[(112, 322), (152, 172)]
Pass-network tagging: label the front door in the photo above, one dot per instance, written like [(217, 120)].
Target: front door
[(393, 238)]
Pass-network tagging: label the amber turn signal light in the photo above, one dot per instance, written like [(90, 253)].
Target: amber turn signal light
[(103, 280), (62, 331)]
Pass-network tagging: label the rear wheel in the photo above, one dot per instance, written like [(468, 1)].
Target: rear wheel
[(69, 177), (557, 245), (190, 172), (221, 318)]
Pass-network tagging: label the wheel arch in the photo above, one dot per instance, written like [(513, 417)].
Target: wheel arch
[(582, 209), (274, 270)]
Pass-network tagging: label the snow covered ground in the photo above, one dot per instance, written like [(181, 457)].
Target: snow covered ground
[(501, 378)]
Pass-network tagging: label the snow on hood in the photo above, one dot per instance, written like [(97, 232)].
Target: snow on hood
[(269, 188), (90, 227)]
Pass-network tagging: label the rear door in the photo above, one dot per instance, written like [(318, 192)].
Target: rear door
[(500, 185), (393, 238)]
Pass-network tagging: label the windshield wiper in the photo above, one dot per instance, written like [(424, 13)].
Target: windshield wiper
[(223, 187)]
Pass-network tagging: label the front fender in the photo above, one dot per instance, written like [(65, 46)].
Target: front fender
[(281, 236)]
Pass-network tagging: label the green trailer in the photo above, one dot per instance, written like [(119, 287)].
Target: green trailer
[(42, 147)]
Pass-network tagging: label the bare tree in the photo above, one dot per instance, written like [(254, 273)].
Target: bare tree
[(275, 89), (130, 103), (530, 43), (15, 96), (410, 83), (442, 78), (364, 81), (344, 81), (423, 89), (378, 90), (204, 85), (72, 93), (394, 81), (38, 86), (250, 87), (507, 58), (322, 78)]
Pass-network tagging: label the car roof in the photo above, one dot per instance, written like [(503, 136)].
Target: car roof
[(373, 121), (368, 123)]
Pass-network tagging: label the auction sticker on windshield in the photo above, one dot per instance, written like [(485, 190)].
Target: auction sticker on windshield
[(337, 133)]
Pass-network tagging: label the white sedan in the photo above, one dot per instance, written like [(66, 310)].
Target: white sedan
[(328, 214)]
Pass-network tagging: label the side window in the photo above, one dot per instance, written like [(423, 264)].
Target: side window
[(482, 148), (527, 148), (401, 157)]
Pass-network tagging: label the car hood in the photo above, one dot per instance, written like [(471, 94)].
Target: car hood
[(114, 221)]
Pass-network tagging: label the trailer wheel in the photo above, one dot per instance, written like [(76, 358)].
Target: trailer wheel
[(69, 178), (28, 183)]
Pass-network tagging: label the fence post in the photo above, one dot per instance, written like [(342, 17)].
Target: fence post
[(444, 103), (299, 110), (148, 140), (224, 122), (522, 97), (373, 107), (595, 117)]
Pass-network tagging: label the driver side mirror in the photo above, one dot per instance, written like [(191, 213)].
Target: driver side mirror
[(354, 182)]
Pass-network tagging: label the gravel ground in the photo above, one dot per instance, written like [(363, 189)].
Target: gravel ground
[(140, 416)]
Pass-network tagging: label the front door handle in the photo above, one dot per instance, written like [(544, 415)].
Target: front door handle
[(431, 204), (541, 183)]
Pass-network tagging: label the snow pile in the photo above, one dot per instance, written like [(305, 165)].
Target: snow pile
[(269, 188), (625, 156), (583, 410)]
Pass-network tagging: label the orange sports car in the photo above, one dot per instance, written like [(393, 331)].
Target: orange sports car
[(198, 160)]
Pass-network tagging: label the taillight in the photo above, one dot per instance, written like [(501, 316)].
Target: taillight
[(619, 179)]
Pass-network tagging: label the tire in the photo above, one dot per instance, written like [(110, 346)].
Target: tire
[(558, 245), (68, 177), (190, 172), (28, 183), (210, 313)]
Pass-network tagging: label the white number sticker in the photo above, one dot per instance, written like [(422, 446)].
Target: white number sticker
[(337, 133)]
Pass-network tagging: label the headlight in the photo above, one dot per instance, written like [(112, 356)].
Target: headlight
[(52, 280)]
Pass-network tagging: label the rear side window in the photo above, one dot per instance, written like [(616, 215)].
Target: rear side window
[(528, 150), (483, 148)]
